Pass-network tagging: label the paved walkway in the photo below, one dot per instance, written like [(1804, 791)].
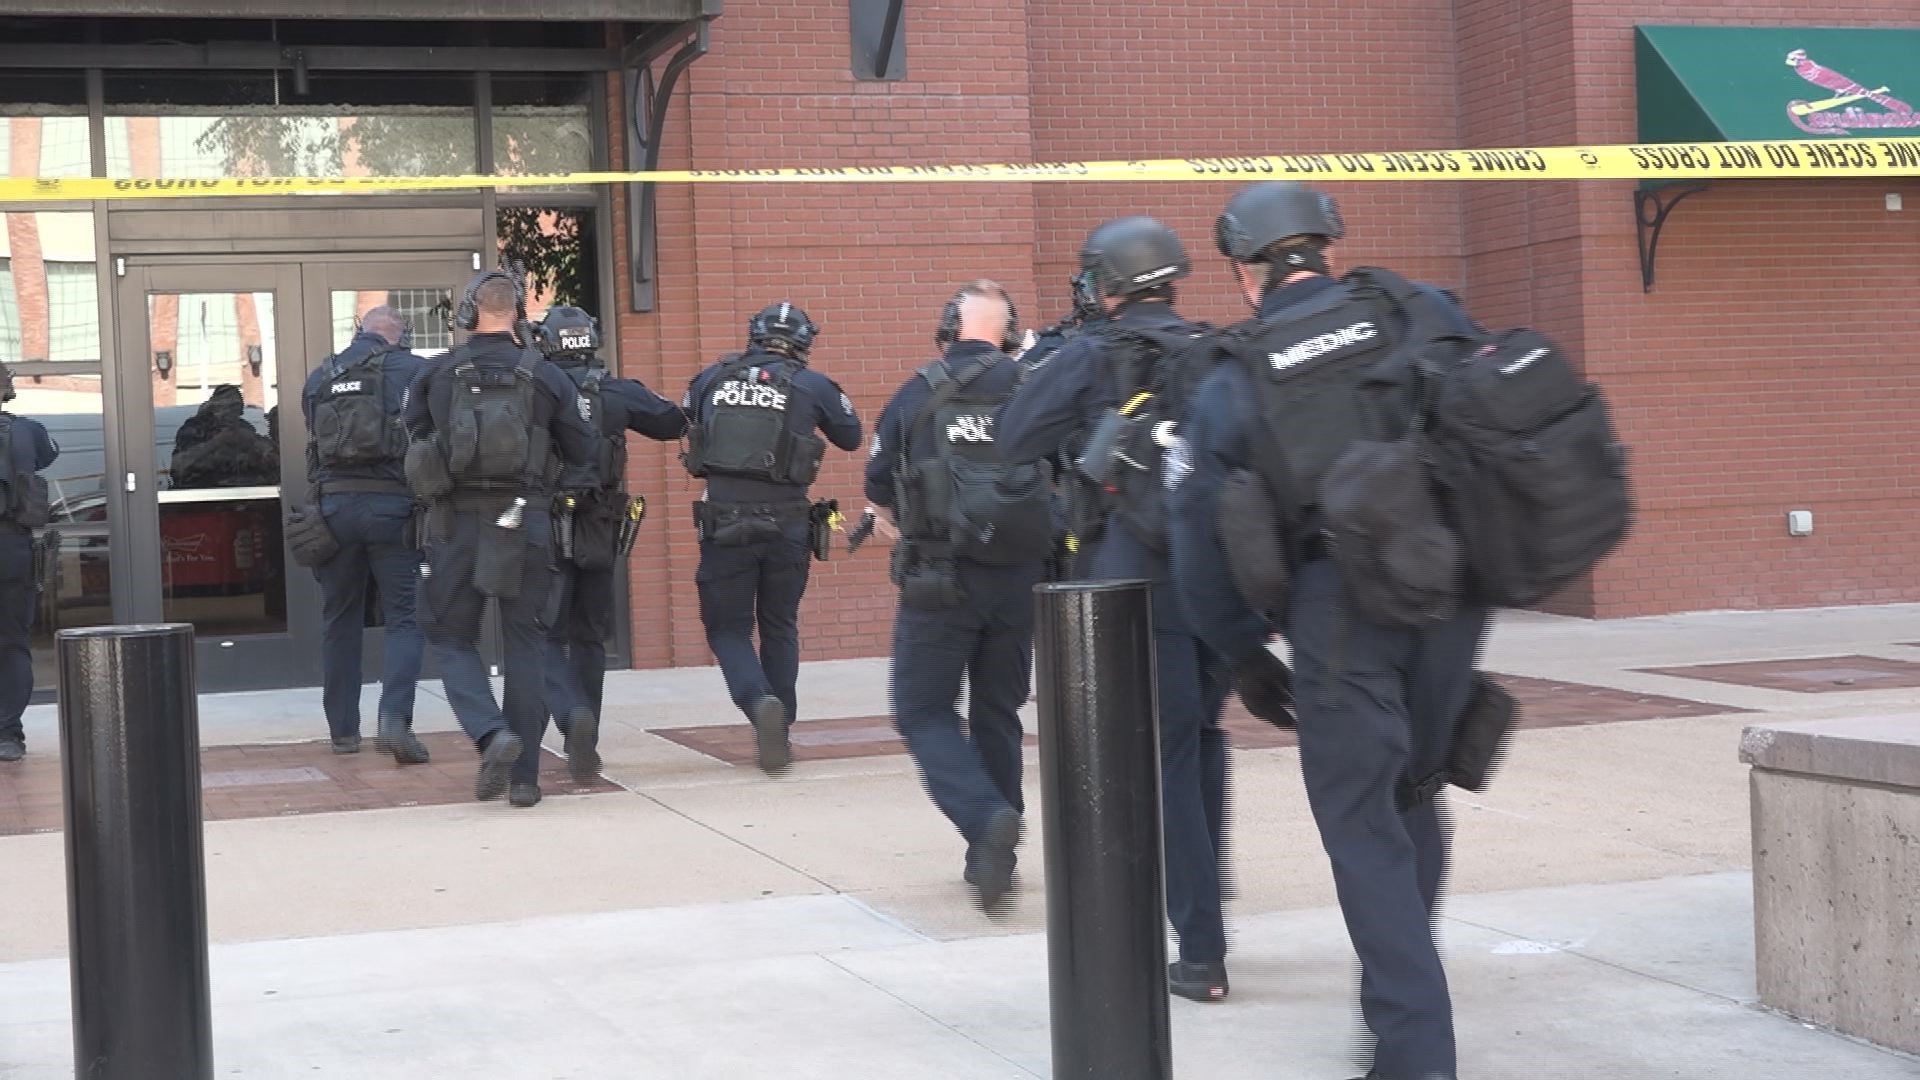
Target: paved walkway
[(700, 920)]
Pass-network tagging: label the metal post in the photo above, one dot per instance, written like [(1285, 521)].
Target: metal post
[(1100, 805), (136, 883)]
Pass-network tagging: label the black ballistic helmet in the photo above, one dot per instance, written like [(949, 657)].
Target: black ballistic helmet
[(1263, 214), (567, 332), (782, 324), (6, 384), (1131, 255)]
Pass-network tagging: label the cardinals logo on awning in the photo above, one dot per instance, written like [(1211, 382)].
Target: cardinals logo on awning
[(1840, 114)]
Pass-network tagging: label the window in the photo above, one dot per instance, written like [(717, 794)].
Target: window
[(73, 312), (9, 313), (426, 312), (177, 125), (541, 124), (64, 146), (49, 308), (208, 342)]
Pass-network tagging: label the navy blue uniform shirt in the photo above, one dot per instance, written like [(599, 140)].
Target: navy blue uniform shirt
[(32, 449), (883, 460), (627, 405), (817, 403), (398, 370), (1064, 397), (560, 408), (1220, 429)]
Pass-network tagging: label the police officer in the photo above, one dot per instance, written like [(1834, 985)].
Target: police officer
[(487, 419), (753, 418), (1087, 313), (965, 609), (356, 457), (1376, 705), (25, 450), (595, 531), (1133, 263)]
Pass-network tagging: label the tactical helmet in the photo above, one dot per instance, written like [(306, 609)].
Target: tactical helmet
[(1266, 213), (1131, 255), (567, 332), (6, 383), (782, 323)]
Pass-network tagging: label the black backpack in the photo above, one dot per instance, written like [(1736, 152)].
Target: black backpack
[(986, 510), (742, 428), (351, 425), (23, 492), (1531, 471), (1157, 372), (493, 440)]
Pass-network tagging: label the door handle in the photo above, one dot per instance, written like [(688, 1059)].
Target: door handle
[(133, 483)]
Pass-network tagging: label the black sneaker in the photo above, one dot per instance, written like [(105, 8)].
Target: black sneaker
[(496, 761), (347, 744), (773, 752), (583, 744), (12, 749), (993, 866), (397, 739), (524, 793), (1197, 982)]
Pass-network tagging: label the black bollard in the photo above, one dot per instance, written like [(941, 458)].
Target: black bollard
[(1100, 805), (136, 881)]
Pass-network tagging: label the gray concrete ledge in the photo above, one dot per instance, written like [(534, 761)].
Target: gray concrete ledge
[(1836, 873), (1865, 749)]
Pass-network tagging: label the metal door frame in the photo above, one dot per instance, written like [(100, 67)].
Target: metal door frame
[(137, 555)]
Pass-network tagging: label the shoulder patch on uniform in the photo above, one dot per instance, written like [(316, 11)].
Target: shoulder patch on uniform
[(585, 407), (846, 403)]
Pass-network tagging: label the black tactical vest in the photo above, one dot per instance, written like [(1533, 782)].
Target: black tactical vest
[(743, 429)]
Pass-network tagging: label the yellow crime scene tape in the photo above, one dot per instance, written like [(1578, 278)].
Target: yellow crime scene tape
[(1801, 158)]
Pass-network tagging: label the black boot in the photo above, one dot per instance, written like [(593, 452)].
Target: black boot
[(1197, 982)]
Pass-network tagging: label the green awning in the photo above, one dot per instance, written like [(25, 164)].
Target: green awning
[(1737, 83)]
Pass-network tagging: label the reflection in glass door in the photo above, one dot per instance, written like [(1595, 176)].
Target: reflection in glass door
[(216, 444), (204, 466)]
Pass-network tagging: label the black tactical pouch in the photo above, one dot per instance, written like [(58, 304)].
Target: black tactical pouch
[(820, 518), (1253, 536), (596, 533), (805, 452), (1480, 737), (727, 526), (310, 539), (46, 562), (925, 584), (501, 561), (427, 471)]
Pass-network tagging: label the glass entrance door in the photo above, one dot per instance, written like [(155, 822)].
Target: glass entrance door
[(211, 373), (213, 445)]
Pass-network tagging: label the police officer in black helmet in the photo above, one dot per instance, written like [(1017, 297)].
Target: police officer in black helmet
[(966, 564), (595, 529), (356, 452), (1376, 704), (497, 431), (25, 450), (1087, 313), (754, 436), (1133, 263)]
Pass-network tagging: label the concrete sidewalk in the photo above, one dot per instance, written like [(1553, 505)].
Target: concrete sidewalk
[(706, 921), (1628, 982)]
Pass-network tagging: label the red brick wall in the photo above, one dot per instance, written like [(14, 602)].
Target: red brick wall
[(1769, 370), (1746, 338)]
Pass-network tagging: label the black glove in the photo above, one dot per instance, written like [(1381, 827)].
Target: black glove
[(1265, 687)]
